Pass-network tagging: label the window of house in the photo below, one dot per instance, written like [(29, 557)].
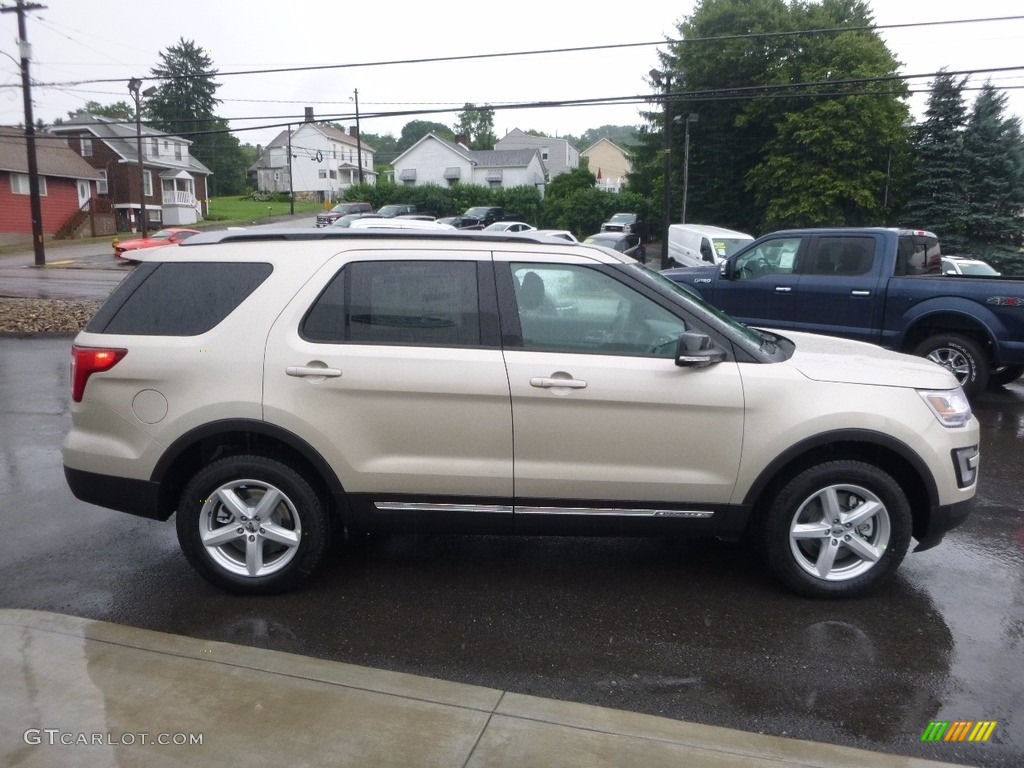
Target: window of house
[(147, 183), (544, 154), (154, 147), (177, 151), (86, 145), (419, 303), (20, 184), (101, 183), (334, 174), (322, 173)]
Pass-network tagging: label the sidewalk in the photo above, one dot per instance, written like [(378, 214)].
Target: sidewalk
[(81, 692)]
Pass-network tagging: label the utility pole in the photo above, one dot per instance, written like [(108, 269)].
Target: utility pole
[(25, 51), (359, 139), (291, 186), (665, 79)]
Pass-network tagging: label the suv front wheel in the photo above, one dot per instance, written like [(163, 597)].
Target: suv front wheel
[(838, 529), (251, 524)]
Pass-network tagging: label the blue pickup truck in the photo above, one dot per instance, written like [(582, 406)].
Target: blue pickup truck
[(883, 286)]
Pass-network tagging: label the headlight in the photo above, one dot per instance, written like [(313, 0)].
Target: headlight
[(950, 406)]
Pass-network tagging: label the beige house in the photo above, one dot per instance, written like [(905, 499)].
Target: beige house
[(610, 163)]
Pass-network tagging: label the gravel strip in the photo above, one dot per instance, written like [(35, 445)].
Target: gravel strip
[(19, 316)]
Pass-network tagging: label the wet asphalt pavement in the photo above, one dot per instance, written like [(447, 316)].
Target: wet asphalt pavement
[(691, 630)]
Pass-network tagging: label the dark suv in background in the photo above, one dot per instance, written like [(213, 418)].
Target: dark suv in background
[(327, 218)]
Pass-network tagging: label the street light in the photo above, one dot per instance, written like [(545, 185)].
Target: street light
[(664, 79), (133, 86), (690, 118)]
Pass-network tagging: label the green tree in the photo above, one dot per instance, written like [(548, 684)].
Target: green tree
[(994, 184), (184, 105), (415, 130), (119, 110), (937, 199), (827, 162), (477, 125)]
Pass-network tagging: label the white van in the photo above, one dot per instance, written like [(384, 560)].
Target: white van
[(693, 245)]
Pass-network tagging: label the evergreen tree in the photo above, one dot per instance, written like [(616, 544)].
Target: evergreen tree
[(184, 105), (938, 194), (994, 183)]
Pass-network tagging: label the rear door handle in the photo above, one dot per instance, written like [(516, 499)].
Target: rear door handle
[(312, 371), (783, 289), (545, 382), (860, 293)]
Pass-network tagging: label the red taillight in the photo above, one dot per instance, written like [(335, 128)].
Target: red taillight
[(86, 361)]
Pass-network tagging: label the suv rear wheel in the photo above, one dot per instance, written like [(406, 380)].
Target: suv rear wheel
[(251, 524), (838, 529)]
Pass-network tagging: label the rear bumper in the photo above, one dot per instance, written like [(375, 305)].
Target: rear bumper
[(136, 497), (943, 519)]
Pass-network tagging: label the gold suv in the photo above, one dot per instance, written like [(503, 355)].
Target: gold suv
[(271, 389)]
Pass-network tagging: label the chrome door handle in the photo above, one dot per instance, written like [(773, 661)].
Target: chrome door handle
[(545, 382), (783, 289), (860, 293), (312, 371)]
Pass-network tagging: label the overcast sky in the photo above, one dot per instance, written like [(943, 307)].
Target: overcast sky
[(74, 40)]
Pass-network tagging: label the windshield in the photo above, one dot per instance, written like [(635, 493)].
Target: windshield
[(623, 218), (977, 268), (163, 234), (388, 209), (727, 246), (477, 213)]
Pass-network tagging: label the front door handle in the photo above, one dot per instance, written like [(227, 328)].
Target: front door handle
[(312, 371), (783, 289), (860, 293), (545, 382)]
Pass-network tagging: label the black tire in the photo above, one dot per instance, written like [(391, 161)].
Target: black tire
[(225, 534), (816, 556), (1006, 374), (961, 356)]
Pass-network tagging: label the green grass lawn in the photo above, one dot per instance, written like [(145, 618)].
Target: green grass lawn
[(228, 210)]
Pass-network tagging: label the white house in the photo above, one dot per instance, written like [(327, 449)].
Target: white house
[(433, 160), (324, 162), (559, 155)]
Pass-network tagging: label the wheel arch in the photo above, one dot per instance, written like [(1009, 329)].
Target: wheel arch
[(874, 448), (228, 437), (939, 322)]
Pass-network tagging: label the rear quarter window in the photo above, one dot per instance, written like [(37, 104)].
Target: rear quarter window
[(177, 299)]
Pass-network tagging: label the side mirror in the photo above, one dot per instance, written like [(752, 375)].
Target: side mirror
[(696, 350), (725, 269)]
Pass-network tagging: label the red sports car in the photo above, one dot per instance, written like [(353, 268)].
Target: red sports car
[(168, 236)]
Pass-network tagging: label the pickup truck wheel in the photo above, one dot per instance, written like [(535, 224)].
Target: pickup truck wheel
[(961, 356), (251, 525), (1006, 374), (838, 529)]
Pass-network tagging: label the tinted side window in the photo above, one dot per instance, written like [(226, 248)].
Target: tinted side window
[(177, 299), (428, 303), (918, 255), (842, 256)]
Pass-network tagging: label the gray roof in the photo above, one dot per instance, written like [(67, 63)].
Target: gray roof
[(53, 155), (120, 136), (504, 158)]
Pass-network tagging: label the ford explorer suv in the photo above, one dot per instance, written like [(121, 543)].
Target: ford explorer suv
[(273, 390)]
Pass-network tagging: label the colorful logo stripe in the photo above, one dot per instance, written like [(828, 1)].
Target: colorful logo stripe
[(959, 730)]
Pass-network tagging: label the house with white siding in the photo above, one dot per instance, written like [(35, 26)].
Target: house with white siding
[(433, 160), (325, 161)]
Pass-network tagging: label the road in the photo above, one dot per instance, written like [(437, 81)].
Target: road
[(690, 630), (82, 270)]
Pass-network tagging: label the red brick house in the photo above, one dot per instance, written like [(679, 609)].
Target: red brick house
[(175, 182), (66, 189)]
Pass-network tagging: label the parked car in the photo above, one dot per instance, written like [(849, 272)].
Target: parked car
[(169, 236), (403, 209), (346, 220), (629, 244), (628, 223), (961, 265), (562, 234), (399, 223), (272, 389), (485, 214), (508, 226), (692, 245), (461, 222), (326, 218)]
